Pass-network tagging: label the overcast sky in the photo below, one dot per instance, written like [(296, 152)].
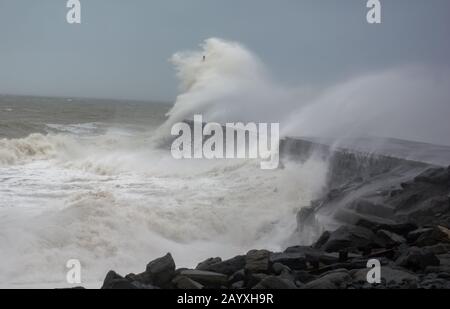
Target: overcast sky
[(121, 49)]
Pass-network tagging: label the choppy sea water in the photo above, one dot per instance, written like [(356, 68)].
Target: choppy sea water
[(83, 179)]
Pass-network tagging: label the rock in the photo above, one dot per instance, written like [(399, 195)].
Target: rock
[(257, 261), (114, 281), (238, 285), (237, 276), (322, 240), (253, 279), (433, 284), (304, 276), (388, 253), (414, 235), (384, 224), (206, 278), (185, 283), (337, 279), (417, 259), (275, 283), (389, 275), (430, 211), (208, 262), (296, 261), (439, 248), (227, 267), (161, 271), (391, 239), (353, 264), (279, 269), (367, 207), (433, 237), (350, 237), (436, 176)]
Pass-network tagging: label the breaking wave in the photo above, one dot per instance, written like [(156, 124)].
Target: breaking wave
[(34, 147)]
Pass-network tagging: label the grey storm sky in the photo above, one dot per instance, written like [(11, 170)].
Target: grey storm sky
[(121, 49)]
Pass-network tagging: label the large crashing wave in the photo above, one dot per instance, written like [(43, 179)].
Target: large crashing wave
[(232, 84)]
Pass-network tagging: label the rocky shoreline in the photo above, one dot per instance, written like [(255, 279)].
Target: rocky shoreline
[(405, 226)]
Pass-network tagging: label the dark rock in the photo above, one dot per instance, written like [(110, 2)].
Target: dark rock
[(161, 271), (327, 258), (279, 269), (304, 276), (430, 210), (254, 278), (430, 236), (389, 275), (227, 267), (296, 261), (257, 261), (337, 279), (439, 235), (439, 248), (114, 281), (237, 276), (388, 253), (322, 239), (352, 264), (208, 262), (206, 278), (391, 239), (350, 237), (414, 235), (433, 284), (384, 224), (367, 207), (238, 285), (417, 259), (276, 283), (436, 176), (185, 283)]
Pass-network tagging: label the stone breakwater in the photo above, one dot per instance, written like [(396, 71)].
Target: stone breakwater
[(405, 226), (375, 207)]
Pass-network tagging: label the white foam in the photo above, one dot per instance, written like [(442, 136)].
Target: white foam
[(115, 202)]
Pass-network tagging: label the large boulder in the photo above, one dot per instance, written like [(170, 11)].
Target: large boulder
[(227, 267), (114, 281), (417, 259), (208, 262), (257, 261), (161, 271), (322, 240), (295, 261), (430, 236), (391, 239), (351, 237), (206, 278), (376, 224), (367, 207), (430, 210)]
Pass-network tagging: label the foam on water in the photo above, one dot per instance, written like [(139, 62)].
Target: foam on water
[(114, 201)]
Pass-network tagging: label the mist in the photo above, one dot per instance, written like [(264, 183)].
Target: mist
[(233, 84)]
